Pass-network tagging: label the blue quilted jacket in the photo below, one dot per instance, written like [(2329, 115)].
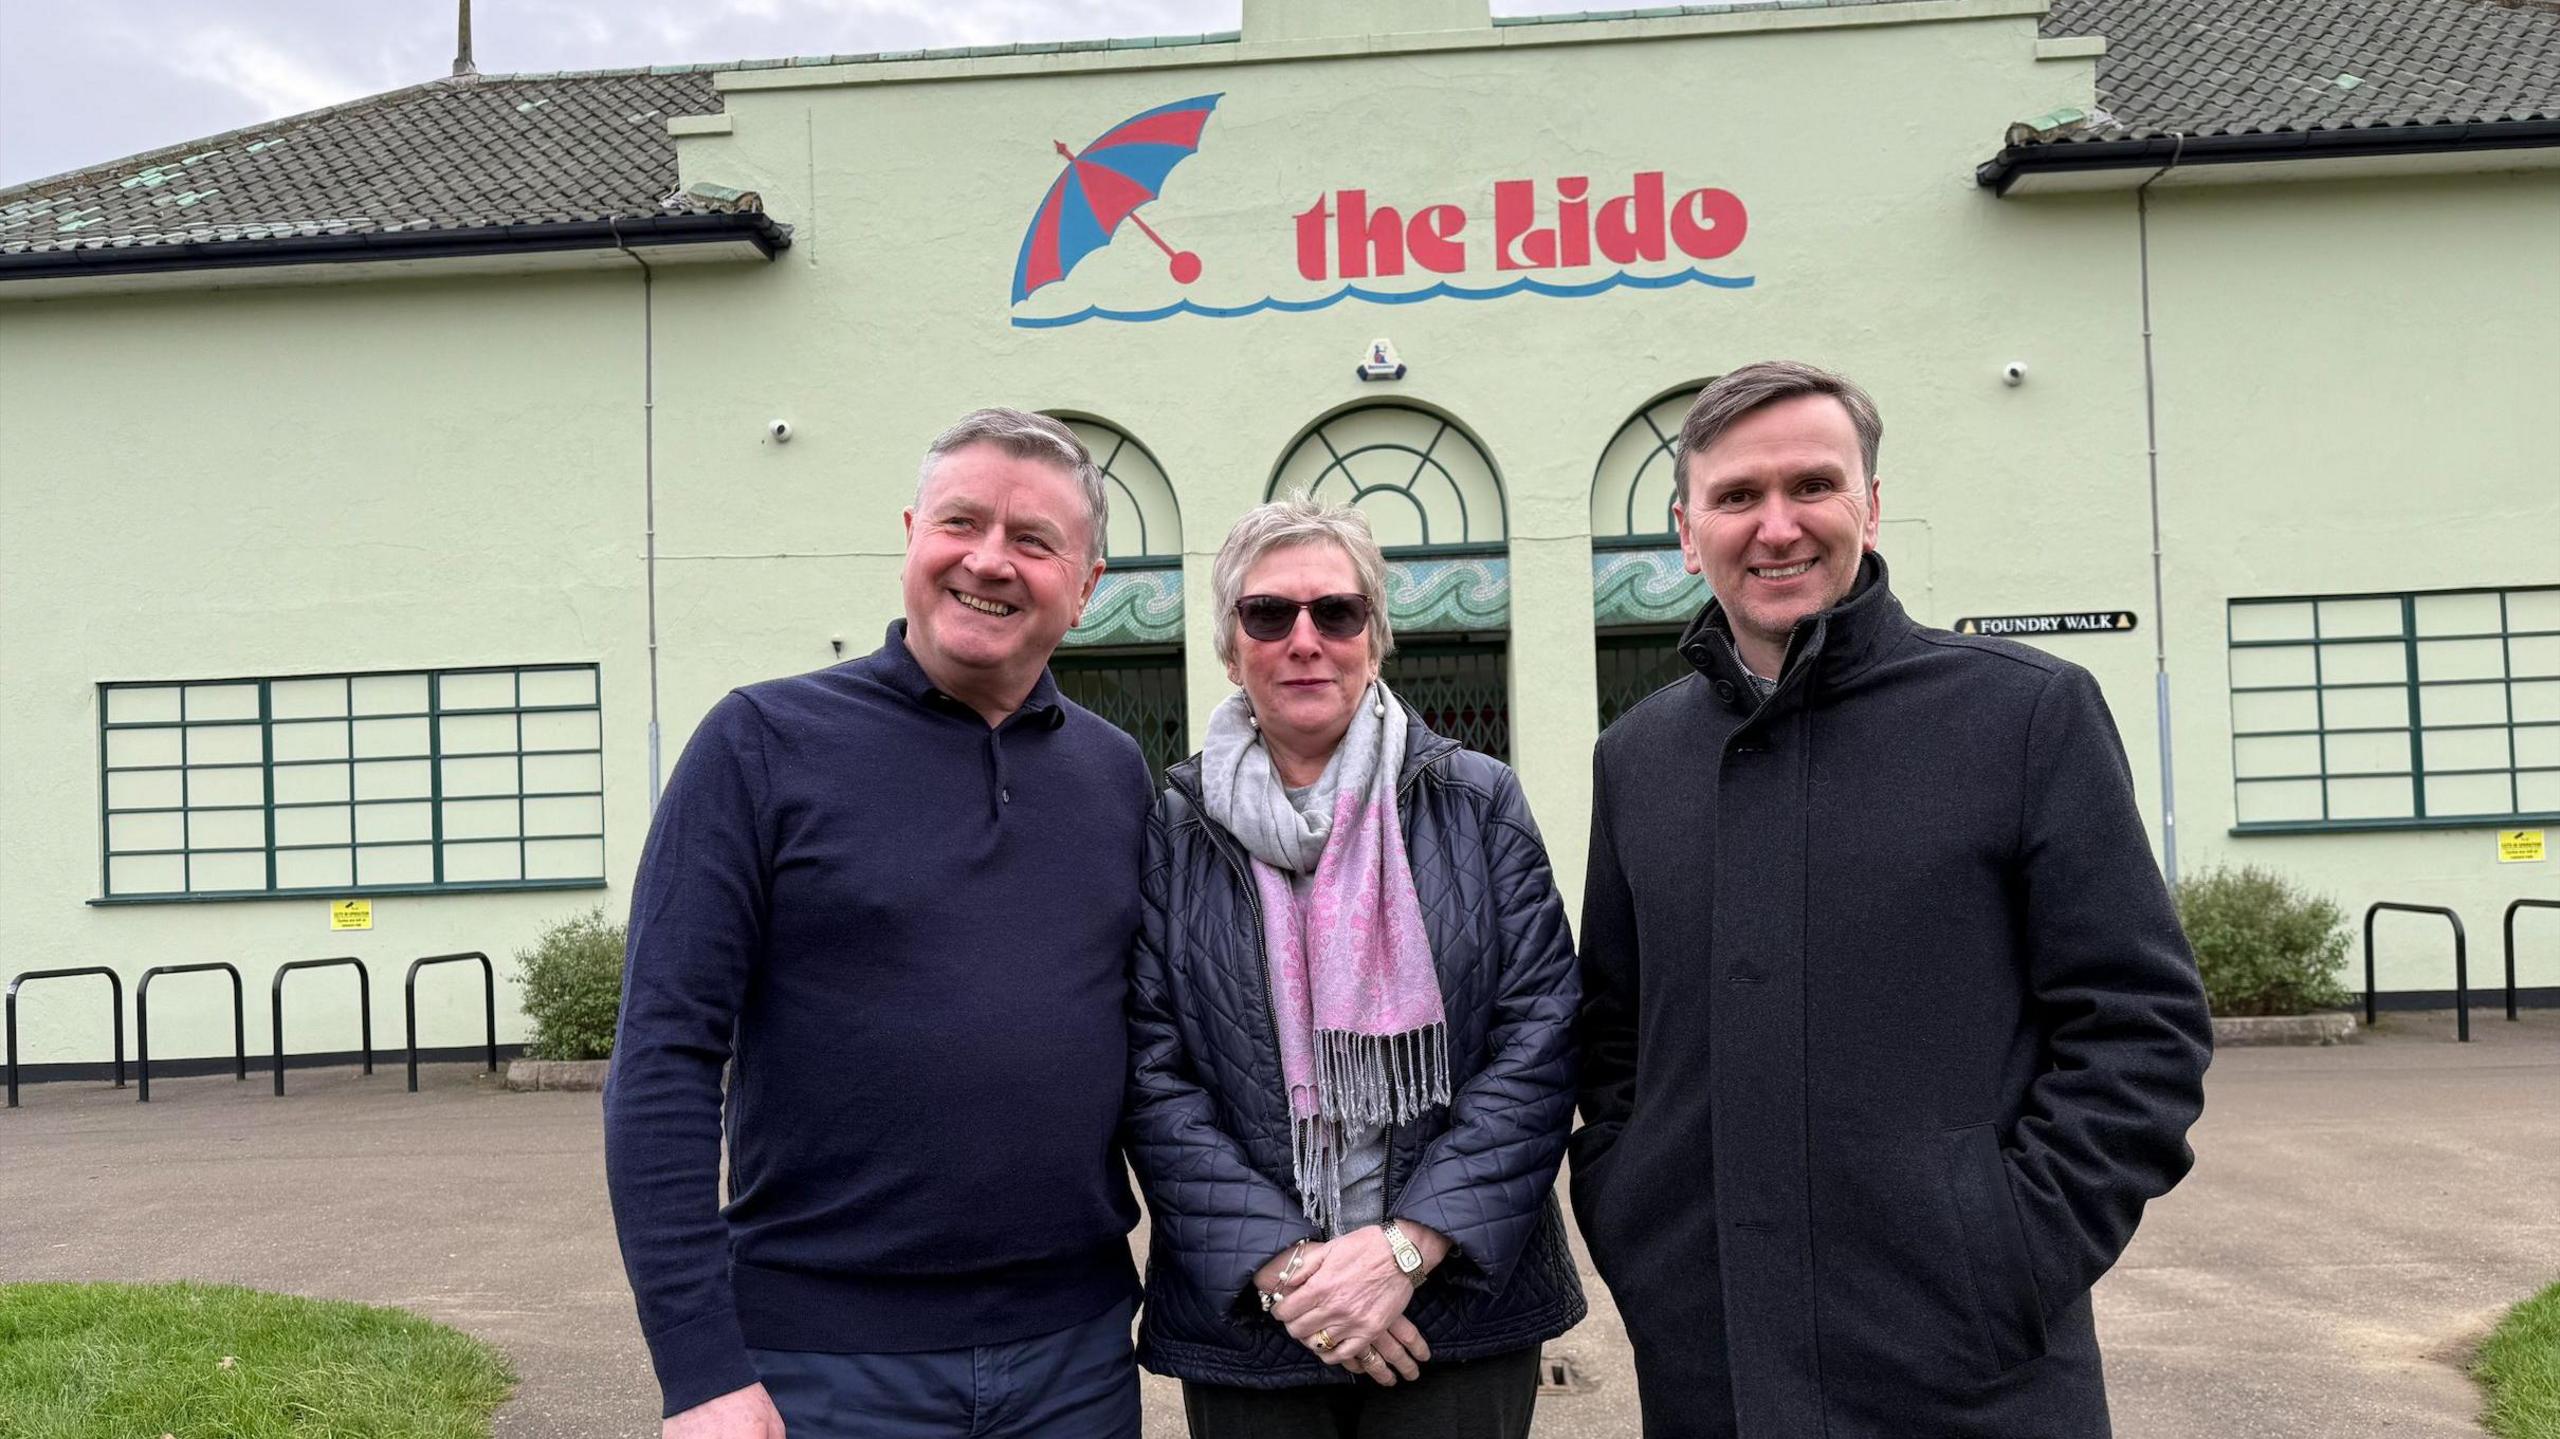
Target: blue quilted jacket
[(1208, 1126)]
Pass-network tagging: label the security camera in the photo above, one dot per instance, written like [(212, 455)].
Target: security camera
[(2014, 373), (781, 429)]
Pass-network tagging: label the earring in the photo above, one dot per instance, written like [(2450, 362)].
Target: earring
[(1379, 709), (1252, 720)]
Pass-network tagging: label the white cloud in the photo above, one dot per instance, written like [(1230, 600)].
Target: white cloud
[(86, 80), (270, 79)]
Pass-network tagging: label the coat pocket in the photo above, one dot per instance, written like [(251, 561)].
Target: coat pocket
[(2007, 1306)]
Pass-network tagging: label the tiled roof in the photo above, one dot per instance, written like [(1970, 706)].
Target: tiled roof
[(530, 149), (2229, 67), (441, 156)]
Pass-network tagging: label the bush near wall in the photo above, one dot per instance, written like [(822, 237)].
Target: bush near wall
[(2264, 945), (572, 978)]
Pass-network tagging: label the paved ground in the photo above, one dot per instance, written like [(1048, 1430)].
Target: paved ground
[(2357, 1219)]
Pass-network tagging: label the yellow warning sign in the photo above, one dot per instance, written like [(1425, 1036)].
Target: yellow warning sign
[(2519, 846), (351, 914)]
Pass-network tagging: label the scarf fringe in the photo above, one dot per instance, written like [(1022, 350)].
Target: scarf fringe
[(1371, 1079), (1315, 1158), (1363, 1080)]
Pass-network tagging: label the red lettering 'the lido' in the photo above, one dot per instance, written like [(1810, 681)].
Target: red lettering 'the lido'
[(1704, 224), (1369, 242)]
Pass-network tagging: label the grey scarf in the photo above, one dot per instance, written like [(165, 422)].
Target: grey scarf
[(1244, 792)]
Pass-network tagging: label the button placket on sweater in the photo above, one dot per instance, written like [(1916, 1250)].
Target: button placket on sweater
[(999, 783)]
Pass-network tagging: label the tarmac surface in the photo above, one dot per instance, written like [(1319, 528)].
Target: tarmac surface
[(2358, 1218)]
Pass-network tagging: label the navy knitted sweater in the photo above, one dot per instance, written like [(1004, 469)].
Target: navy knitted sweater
[(910, 932)]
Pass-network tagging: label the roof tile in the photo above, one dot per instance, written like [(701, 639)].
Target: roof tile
[(572, 146)]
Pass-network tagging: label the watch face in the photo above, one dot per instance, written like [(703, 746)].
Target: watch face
[(1408, 1258)]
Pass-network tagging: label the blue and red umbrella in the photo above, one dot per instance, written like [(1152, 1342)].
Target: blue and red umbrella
[(1105, 184)]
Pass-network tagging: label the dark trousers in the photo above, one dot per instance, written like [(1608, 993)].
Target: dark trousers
[(1078, 1383), (1463, 1399)]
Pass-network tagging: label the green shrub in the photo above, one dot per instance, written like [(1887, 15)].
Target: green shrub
[(572, 980), (2265, 946)]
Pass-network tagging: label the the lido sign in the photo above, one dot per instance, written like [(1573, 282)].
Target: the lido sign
[(1536, 237), (1344, 236)]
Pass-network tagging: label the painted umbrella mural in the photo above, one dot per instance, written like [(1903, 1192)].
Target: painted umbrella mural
[(1104, 185)]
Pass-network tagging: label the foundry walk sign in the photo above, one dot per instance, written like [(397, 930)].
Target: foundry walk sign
[(2071, 622)]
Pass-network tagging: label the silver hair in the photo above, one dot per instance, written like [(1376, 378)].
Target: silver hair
[(1732, 396), (1300, 520), (1026, 436)]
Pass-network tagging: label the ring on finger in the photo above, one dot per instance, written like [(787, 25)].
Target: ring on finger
[(1323, 1340)]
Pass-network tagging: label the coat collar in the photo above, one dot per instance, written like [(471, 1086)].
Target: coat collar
[(1825, 648)]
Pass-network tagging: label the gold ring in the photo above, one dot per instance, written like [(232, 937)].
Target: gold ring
[(1323, 1340)]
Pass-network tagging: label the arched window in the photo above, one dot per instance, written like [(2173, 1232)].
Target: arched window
[(1434, 500), (1424, 483), (1123, 660), (1641, 593), (1146, 521), (1634, 484)]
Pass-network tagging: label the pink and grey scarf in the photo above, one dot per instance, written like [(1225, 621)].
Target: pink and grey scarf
[(1363, 1039)]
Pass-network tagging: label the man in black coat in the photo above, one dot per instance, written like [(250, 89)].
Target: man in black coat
[(1888, 1030)]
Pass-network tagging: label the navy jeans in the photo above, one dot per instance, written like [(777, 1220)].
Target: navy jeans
[(1078, 1383)]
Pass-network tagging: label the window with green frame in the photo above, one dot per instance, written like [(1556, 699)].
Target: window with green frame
[(2430, 708), (406, 781)]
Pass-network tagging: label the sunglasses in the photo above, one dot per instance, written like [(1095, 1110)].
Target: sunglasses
[(1269, 617)]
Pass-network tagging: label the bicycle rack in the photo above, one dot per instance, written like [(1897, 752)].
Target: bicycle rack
[(488, 995), (364, 1006), (2461, 962), (115, 1016), (142, 1020), (2510, 924)]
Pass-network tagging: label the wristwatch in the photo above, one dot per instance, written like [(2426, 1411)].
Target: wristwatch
[(1408, 1258)]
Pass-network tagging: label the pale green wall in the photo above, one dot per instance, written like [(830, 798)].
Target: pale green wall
[(272, 482), (2354, 378)]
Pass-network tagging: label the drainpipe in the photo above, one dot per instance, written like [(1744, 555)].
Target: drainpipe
[(2159, 591), (649, 493)]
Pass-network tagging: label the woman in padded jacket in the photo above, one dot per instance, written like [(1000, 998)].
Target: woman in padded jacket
[(1352, 1066)]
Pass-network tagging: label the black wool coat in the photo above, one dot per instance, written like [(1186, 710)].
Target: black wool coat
[(1888, 1033), (1208, 1123)]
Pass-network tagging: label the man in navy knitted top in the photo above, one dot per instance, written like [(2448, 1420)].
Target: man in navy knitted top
[(895, 900)]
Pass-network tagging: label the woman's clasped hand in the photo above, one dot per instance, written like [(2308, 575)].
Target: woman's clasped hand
[(1345, 1300)]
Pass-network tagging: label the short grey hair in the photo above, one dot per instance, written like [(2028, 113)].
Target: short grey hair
[(1728, 398), (1295, 520), (1027, 436)]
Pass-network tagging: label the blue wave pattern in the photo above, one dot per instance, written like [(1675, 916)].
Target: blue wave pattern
[(1442, 291)]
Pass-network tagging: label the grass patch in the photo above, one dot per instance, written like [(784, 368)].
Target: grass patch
[(2520, 1367), (205, 1361)]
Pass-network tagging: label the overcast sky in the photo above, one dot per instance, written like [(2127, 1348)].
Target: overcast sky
[(86, 81)]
